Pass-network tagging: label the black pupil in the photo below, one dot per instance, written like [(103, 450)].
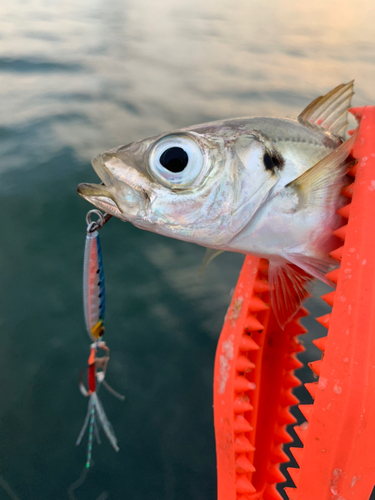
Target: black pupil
[(174, 159)]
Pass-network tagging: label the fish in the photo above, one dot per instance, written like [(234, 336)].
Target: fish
[(269, 187)]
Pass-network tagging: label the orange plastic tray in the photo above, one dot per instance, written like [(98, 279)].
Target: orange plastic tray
[(255, 361)]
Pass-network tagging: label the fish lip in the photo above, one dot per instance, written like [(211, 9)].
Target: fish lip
[(86, 189), (100, 197)]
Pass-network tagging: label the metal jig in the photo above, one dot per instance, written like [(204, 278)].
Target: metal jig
[(94, 308)]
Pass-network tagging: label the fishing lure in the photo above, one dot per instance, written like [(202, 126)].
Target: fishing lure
[(93, 278), (94, 308)]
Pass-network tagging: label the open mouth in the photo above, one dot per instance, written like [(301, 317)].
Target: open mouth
[(114, 195), (98, 194), (100, 197)]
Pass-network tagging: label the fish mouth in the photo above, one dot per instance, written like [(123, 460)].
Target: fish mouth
[(114, 195), (100, 197)]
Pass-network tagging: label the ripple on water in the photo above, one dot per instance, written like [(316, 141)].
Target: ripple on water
[(28, 65)]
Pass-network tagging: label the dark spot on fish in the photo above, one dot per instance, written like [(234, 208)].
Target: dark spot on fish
[(273, 161), (98, 271), (99, 295)]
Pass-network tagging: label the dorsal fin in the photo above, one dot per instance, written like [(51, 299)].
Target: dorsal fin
[(330, 111)]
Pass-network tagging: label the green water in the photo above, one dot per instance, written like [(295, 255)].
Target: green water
[(81, 77)]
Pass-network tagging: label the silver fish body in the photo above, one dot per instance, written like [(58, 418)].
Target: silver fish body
[(263, 186)]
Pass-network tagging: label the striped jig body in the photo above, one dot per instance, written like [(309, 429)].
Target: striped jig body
[(93, 286)]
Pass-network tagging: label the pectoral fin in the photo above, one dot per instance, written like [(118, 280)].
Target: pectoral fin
[(314, 187), (290, 286), (317, 267), (209, 256), (330, 111)]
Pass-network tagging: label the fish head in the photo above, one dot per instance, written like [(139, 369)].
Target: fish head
[(197, 185)]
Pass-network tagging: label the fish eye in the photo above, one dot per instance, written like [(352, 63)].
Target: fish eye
[(176, 161)]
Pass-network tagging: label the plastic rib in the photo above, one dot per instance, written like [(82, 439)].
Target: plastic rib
[(254, 379), (320, 343)]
